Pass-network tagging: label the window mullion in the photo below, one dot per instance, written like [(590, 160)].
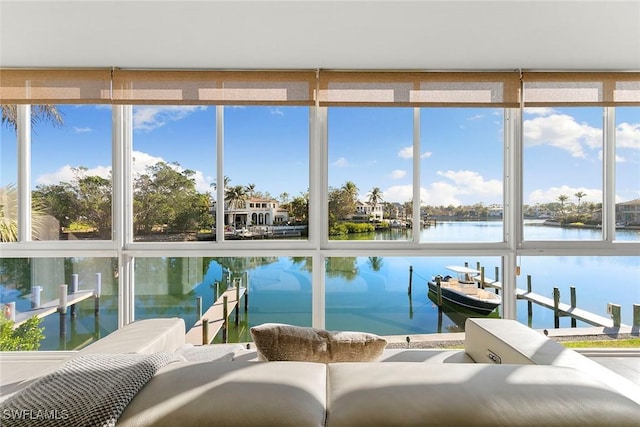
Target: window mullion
[(609, 174), (24, 172)]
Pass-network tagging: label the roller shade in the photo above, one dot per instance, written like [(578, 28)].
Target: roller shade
[(55, 86), (581, 89), (444, 89), (213, 87)]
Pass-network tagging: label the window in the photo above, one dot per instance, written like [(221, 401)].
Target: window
[(370, 173), (173, 168), (627, 173), (266, 167), (563, 173), (460, 183), (187, 168), (33, 284)]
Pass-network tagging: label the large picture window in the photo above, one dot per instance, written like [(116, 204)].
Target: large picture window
[(332, 199)]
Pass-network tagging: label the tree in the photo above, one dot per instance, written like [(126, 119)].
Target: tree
[(94, 195), (236, 197), (579, 195), (375, 197), (351, 190), (165, 196), (59, 201), (9, 214), (251, 188), (341, 205), (299, 208), (284, 198), (562, 198), (39, 113)]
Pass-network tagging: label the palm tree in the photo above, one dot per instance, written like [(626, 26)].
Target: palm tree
[(251, 188), (351, 189), (9, 215), (579, 195), (284, 198), (562, 198), (375, 197), (39, 113), (236, 196)]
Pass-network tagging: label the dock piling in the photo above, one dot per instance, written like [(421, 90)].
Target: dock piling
[(529, 303), (615, 312), (198, 308), (205, 331), (439, 292), (410, 279), (225, 318), (556, 307), (572, 289), (237, 309)]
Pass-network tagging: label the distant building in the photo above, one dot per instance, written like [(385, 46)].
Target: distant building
[(628, 212), (256, 211), (365, 209)]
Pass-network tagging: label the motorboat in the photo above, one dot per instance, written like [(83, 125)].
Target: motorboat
[(463, 291)]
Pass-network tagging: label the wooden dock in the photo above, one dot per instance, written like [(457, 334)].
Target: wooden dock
[(564, 310), (52, 307), (217, 316)]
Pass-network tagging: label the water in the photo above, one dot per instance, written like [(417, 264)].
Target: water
[(361, 293)]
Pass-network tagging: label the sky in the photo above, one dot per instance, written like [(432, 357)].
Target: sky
[(461, 150)]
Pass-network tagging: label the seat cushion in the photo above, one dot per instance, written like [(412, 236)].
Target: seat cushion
[(231, 394), (453, 395)]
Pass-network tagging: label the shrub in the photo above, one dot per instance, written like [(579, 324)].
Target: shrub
[(25, 337)]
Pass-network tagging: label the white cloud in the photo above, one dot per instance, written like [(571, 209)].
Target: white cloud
[(549, 195), (563, 132), (142, 160), (460, 187), (66, 174), (277, 111), (398, 174), (539, 111), (82, 130), (628, 135), (469, 182), (476, 117), (407, 153), (146, 119), (398, 193), (341, 163)]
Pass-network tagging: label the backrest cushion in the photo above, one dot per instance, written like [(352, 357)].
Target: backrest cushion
[(278, 341)]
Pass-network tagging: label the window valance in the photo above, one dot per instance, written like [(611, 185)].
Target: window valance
[(320, 87), (581, 89)]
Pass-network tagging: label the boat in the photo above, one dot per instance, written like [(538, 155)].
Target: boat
[(463, 290)]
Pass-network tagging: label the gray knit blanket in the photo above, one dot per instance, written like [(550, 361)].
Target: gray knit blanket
[(89, 390)]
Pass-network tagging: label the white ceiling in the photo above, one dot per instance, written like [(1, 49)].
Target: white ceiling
[(332, 34)]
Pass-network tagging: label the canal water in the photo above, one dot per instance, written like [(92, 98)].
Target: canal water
[(366, 293)]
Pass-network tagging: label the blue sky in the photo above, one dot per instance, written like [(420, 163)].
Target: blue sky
[(461, 150)]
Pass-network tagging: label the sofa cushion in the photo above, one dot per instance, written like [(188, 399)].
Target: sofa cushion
[(277, 341), (231, 394), (467, 394)]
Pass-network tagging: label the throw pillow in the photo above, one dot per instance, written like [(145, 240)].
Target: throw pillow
[(278, 341)]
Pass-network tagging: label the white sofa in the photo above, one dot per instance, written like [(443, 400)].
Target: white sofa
[(507, 375)]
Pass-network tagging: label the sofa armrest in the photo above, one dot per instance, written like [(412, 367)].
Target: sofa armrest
[(505, 341), (143, 337)]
